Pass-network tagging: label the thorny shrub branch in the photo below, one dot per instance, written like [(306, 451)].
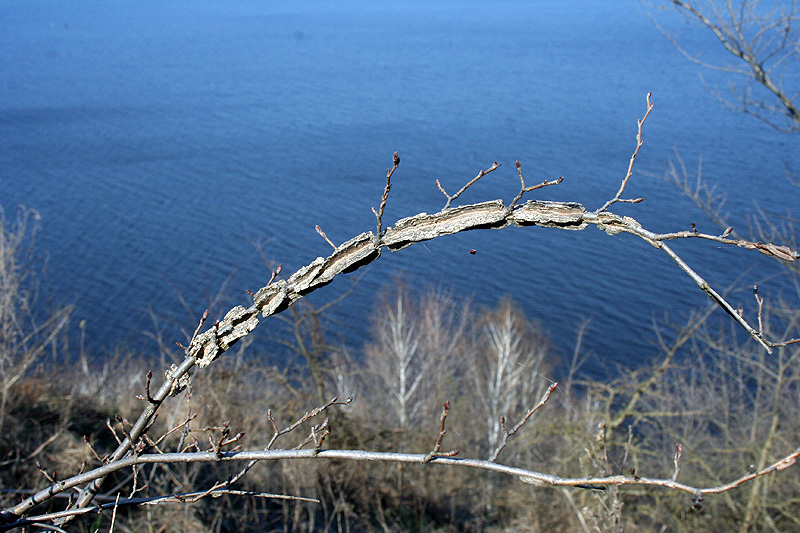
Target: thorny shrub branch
[(359, 251)]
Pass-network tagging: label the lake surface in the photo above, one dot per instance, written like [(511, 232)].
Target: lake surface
[(161, 140)]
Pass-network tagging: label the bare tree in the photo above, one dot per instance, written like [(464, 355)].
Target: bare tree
[(395, 360), (763, 38), (509, 368), (418, 344)]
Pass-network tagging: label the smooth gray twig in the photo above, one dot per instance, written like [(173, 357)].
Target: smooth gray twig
[(639, 142), (481, 174)]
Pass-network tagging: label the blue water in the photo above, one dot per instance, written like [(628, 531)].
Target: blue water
[(160, 140)]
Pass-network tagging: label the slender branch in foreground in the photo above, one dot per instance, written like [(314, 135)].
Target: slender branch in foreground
[(653, 239), (773, 250), (182, 497), (526, 476)]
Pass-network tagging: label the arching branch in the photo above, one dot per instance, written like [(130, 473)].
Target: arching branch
[(277, 296)]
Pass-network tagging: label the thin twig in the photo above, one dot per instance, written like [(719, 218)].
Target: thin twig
[(184, 497), (509, 434), (639, 143), (322, 234), (318, 433), (114, 515), (481, 174), (39, 449), (147, 396), (760, 301), (184, 424), (42, 470), (436, 452), (676, 460), (628, 446), (781, 252), (523, 189), (379, 213), (278, 433), (203, 319), (91, 449), (111, 428)]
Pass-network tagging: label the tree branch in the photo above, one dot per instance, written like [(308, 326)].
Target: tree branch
[(525, 475), (277, 296), (774, 43)]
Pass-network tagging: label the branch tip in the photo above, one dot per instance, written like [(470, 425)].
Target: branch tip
[(322, 234)]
